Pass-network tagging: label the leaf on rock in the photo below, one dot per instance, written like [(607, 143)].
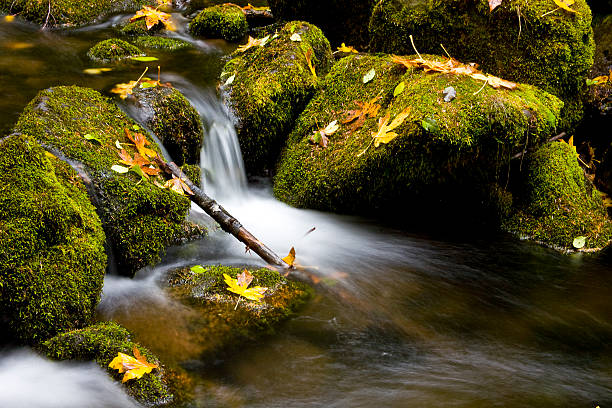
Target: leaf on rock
[(320, 137), (249, 6), (140, 141), (369, 76), (347, 48), (251, 42), (230, 80), (399, 89), (120, 169), (197, 269), (565, 5), (309, 62), (366, 110), (124, 90), (178, 186), (133, 367), (384, 134), (153, 17), (290, 259), (295, 37), (240, 286), (579, 242), (493, 4)]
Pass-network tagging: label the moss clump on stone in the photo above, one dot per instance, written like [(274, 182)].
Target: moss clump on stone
[(466, 142), (101, 343), (174, 121), (341, 20), (113, 49), (52, 259), (68, 13), (558, 203), (553, 52), (162, 43), (139, 28), (139, 218), (225, 21), (271, 86), (222, 326)]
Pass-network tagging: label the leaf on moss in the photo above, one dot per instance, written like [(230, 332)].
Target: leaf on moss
[(120, 169), (89, 136), (369, 76), (133, 367), (295, 37), (347, 48), (565, 5), (197, 269), (309, 62), (177, 185), (320, 136), (494, 4), (140, 141), (251, 42), (399, 89), (366, 110), (249, 6), (240, 286), (290, 259), (153, 17), (579, 242)]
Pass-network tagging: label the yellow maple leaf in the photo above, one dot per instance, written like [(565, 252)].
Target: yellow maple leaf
[(153, 16), (133, 367), (309, 61), (252, 42), (347, 48), (565, 5), (240, 286), (290, 259), (249, 6)]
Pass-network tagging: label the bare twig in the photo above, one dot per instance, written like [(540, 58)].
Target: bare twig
[(552, 139), (48, 14)]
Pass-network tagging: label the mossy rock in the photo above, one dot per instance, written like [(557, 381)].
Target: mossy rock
[(52, 258), (100, 343), (341, 20), (139, 28), (162, 43), (553, 51), (466, 142), (140, 219), (68, 13), (170, 116), (113, 49), (226, 321), (225, 21), (271, 86), (558, 203)]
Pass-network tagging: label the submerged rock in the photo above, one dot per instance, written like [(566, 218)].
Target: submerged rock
[(341, 20), (174, 121), (226, 321), (444, 152), (113, 49), (68, 13), (519, 40), (100, 343), (270, 86), (140, 219), (558, 203), (52, 259), (225, 21)]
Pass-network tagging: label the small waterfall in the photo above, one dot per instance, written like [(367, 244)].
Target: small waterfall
[(223, 174)]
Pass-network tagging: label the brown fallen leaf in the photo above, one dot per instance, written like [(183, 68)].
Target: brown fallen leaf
[(320, 137), (177, 185), (367, 110), (290, 259), (309, 62), (140, 141)]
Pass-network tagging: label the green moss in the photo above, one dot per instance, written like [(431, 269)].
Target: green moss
[(193, 172), (59, 117), (558, 203), (139, 28), (162, 43), (466, 142), (221, 325), (174, 121), (68, 12), (101, 343), (225, 21), (553, 52), (113, 49), (52, 258), (341, 20), (272, 84)]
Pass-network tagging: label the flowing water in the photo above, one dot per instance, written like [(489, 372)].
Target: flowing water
[(424, 317)]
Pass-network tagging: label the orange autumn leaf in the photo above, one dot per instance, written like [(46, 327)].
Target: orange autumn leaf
[(290, 259), (309, 62), (153, 17), (252, 42), (347, 48), (320, 136), (133, 367), (367, 110), (177, 185), (138, 161), (141, 142)]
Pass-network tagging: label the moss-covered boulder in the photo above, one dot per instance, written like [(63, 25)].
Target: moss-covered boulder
[(558, 203), (113, 49), (162, 43), (225, 21), (139, 28), (100, 343), (341, 20), (226, 320), (270, 86), (443, 150), (169, 115), (52, 259), (140, 219), (519, 40), (68, 13)]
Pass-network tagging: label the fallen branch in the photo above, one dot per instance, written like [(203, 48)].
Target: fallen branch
[(227, 222), (552, 139)]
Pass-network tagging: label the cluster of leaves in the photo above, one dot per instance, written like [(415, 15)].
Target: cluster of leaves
[(240, 286), (452, 66), (384, 133), (153, 16), (249, 6), (133, 367), (126, 89), (561, 4), (600, 80)]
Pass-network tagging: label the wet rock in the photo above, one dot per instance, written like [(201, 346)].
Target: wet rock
[(270, 86), (553, 51), (140, 219), (443, 154), (225, 21), (68, 13), (558, 203), (113, 49), (139, 28), (162, 43), (52, 258), (174, 121), (100, 343), (224, 321), (341, 20)]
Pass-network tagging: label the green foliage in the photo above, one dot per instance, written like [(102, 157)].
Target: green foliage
[(52, 259)]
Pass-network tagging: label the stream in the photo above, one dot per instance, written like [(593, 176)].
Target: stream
[(420, 317)]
